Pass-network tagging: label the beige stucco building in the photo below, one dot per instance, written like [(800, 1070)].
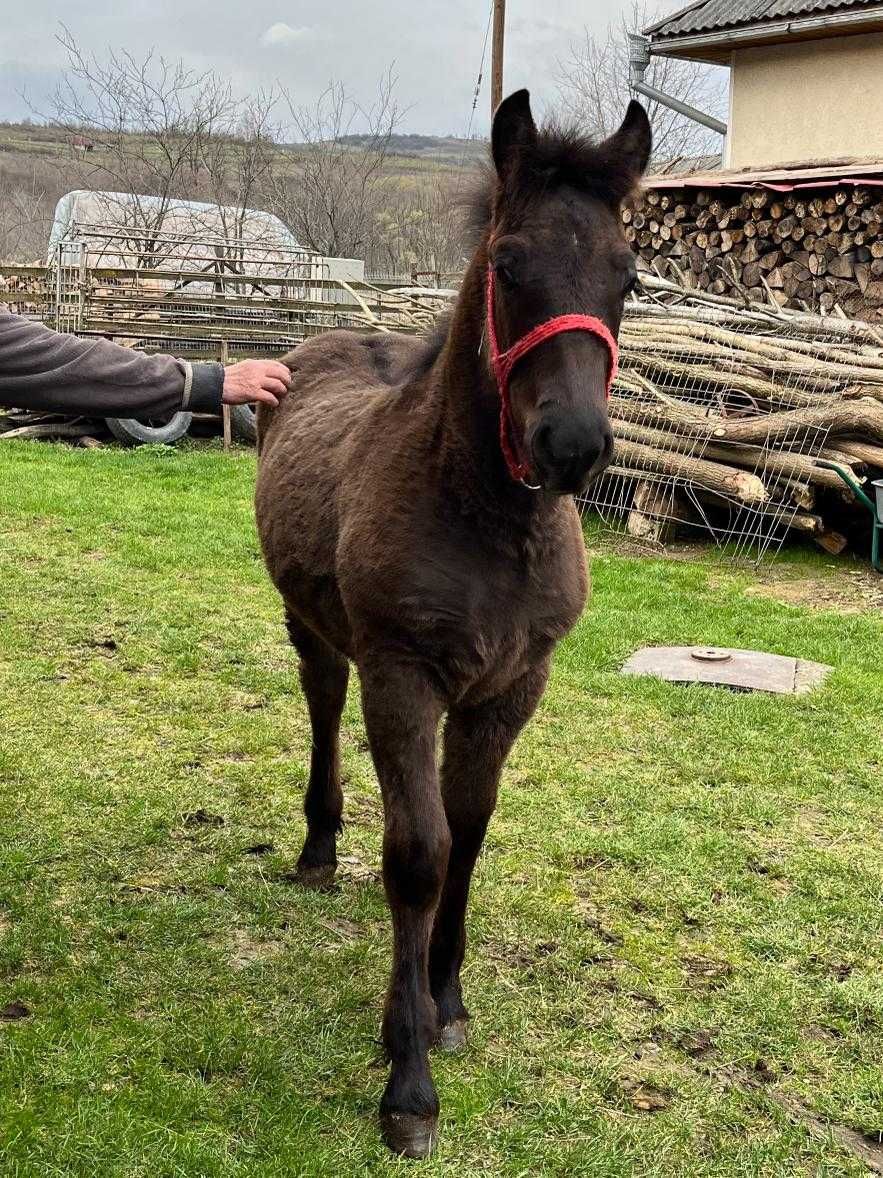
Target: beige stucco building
[(806, 76)]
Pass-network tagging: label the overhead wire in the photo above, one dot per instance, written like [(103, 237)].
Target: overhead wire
[(476, 95)]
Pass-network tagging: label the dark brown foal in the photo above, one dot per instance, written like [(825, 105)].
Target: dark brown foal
[(415, 510)]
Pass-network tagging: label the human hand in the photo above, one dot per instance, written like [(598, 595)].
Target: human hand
[(255, 380)]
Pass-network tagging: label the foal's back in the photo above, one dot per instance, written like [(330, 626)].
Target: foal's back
[(347, 410)]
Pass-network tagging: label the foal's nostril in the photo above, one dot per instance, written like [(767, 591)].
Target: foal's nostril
[(567, 447), (542, 441)]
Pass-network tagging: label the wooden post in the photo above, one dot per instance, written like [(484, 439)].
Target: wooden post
[(224, 357), (497, 59)]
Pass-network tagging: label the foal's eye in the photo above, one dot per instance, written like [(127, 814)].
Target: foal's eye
[(508, 260), (505, 271)]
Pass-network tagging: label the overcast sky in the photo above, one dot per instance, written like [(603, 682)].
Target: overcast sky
[(434, 46)]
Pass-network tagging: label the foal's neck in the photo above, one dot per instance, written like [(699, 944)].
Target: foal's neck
[(472, 463)]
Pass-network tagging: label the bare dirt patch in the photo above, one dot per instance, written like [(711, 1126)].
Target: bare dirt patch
[(842, 587), (356, 870), (697, 1044), (13, 1012), (342, 930), (850, 591), (867, 1147), (517, 955), (705, 971), (259, 849), (202, 817), (644, 1097), (245, 949)]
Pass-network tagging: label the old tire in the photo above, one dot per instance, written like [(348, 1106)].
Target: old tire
[(132, 432), (244, 424)]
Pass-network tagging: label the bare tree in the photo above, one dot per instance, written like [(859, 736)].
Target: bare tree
[(161, 135), (236, 163), (150, 121), (594, 79), (336, 183), (418, 231), (25, 215)]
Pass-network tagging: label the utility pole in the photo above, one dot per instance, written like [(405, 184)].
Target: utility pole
[(497, 59)]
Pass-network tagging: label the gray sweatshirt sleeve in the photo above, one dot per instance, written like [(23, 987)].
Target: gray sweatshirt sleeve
[(41, 369)]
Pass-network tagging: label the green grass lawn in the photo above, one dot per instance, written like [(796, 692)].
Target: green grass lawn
[(677, 923)]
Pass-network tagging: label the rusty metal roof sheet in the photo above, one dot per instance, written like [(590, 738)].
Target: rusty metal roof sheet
[(717, 15), (785, 179)]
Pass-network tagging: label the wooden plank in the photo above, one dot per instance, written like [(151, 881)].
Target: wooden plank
[(224, 357)]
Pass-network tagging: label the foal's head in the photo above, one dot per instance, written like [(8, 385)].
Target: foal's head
[(556, 247)]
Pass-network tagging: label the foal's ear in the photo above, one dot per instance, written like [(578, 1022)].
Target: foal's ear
[(631, 145), (514, 130)]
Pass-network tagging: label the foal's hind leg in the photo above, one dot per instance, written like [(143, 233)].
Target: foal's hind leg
[(477, 741), (323, 675)]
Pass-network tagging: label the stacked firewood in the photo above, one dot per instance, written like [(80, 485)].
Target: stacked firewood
[(25, 292), (818, 250), (730, 409)]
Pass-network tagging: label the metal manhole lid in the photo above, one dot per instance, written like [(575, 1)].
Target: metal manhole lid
[(740, 670), (710, 654)]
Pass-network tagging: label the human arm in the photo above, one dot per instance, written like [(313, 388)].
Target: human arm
[(44, 369)]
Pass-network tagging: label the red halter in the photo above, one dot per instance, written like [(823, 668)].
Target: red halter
[(504, 362)]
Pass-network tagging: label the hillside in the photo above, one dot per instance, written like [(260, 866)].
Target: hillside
[(38, 140), (443, 149)]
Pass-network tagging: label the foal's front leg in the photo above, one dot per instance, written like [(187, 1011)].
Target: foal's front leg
[(401, 716), (477, 742)]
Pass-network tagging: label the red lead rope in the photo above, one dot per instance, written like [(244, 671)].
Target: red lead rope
[(504, 362)]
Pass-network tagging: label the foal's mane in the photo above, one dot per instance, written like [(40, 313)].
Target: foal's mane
[(561, 157)]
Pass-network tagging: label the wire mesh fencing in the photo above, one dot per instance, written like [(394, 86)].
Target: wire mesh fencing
[(722, 413)]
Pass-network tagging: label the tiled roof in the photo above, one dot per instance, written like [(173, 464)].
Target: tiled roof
[(717, 15)]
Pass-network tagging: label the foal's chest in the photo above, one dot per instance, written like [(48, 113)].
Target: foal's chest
[(512, 612)]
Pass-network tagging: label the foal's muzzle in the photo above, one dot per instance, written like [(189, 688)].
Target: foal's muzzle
[(570, 449)]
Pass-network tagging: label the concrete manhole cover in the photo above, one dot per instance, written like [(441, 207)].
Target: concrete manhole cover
[(740, 670)]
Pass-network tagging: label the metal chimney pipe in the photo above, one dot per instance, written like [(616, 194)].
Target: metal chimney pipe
[(639, 60)]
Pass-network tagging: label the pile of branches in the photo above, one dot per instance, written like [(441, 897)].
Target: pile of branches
[(738, 403), (404, 308), (730, 403)]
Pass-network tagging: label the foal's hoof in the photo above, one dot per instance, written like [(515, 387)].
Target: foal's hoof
[(316, 879), (409, 1135), (452, 1036)]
